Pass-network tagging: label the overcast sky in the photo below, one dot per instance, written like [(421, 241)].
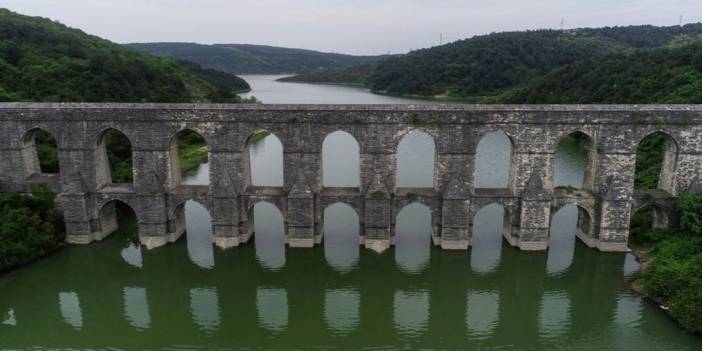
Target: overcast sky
[(347, 26)]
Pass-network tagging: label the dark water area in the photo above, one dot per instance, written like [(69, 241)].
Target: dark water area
[(191, 295)]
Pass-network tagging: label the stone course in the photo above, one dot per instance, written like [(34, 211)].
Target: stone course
[(606, 201)]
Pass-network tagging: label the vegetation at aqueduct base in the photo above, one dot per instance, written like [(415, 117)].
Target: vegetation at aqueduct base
[(673, 271), (31, 227)]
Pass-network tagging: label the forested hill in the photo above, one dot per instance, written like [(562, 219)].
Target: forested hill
[(253, 59), (483, 67), (665, 75), (42, 60)]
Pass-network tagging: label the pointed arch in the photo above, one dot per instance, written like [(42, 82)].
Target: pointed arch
[(416, 157), (575, 161), (188, 149), (647, 217), (264, 159), (113, 158), (40, 152), (493, 160), (656, 162), (111, 213), (341, 161)]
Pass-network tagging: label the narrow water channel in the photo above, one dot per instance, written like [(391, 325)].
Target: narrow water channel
[(191, 295)]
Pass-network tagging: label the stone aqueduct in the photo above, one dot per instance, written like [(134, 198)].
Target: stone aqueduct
[(606, 200)]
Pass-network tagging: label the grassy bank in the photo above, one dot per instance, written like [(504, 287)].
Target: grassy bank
[(31, 227), (192, 151)]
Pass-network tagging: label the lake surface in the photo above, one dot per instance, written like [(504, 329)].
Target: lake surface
[(266, 89), (190, 295)]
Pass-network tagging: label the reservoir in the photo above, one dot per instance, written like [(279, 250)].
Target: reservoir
[(264, 296)]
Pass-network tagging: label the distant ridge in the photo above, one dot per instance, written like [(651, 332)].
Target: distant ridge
[(489, 68), (252, 59), (43, 60)]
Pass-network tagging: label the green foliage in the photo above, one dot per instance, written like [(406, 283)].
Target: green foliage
[(602, 65), (256, 137), (31, 227), (42, 60), (192, 151), (354, 75), (47, 151), (691, 208), (119, 154), (675, 273), (661, 75), (252, 59), (649, 160)]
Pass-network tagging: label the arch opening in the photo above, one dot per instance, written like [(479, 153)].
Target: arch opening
[(567, 223), (189, 156), (493, 161), (575, 160), (341, 160), (118, 216), (413, 235), (113, 159), (40, 153), (193, 219), (656, 157), (268, 227), (645, 219), (416, 156), (341, 230), (490, 225), (265, 159)]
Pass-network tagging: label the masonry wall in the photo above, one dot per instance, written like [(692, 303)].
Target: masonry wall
[(156, 195)]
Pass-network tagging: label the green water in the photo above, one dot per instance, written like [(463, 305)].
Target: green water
[(114, 295), (93, 298)]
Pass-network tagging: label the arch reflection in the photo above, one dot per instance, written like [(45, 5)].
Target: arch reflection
[(70, 309), (554, 314), (198, 232), (341, 231), (341, 309), (9, 318), (204, 306), (411, 311), (413, 237), (561, 242), (482, 313), (272, 306), (136, 308), (629, 310), (488, 227), (269, 229)]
